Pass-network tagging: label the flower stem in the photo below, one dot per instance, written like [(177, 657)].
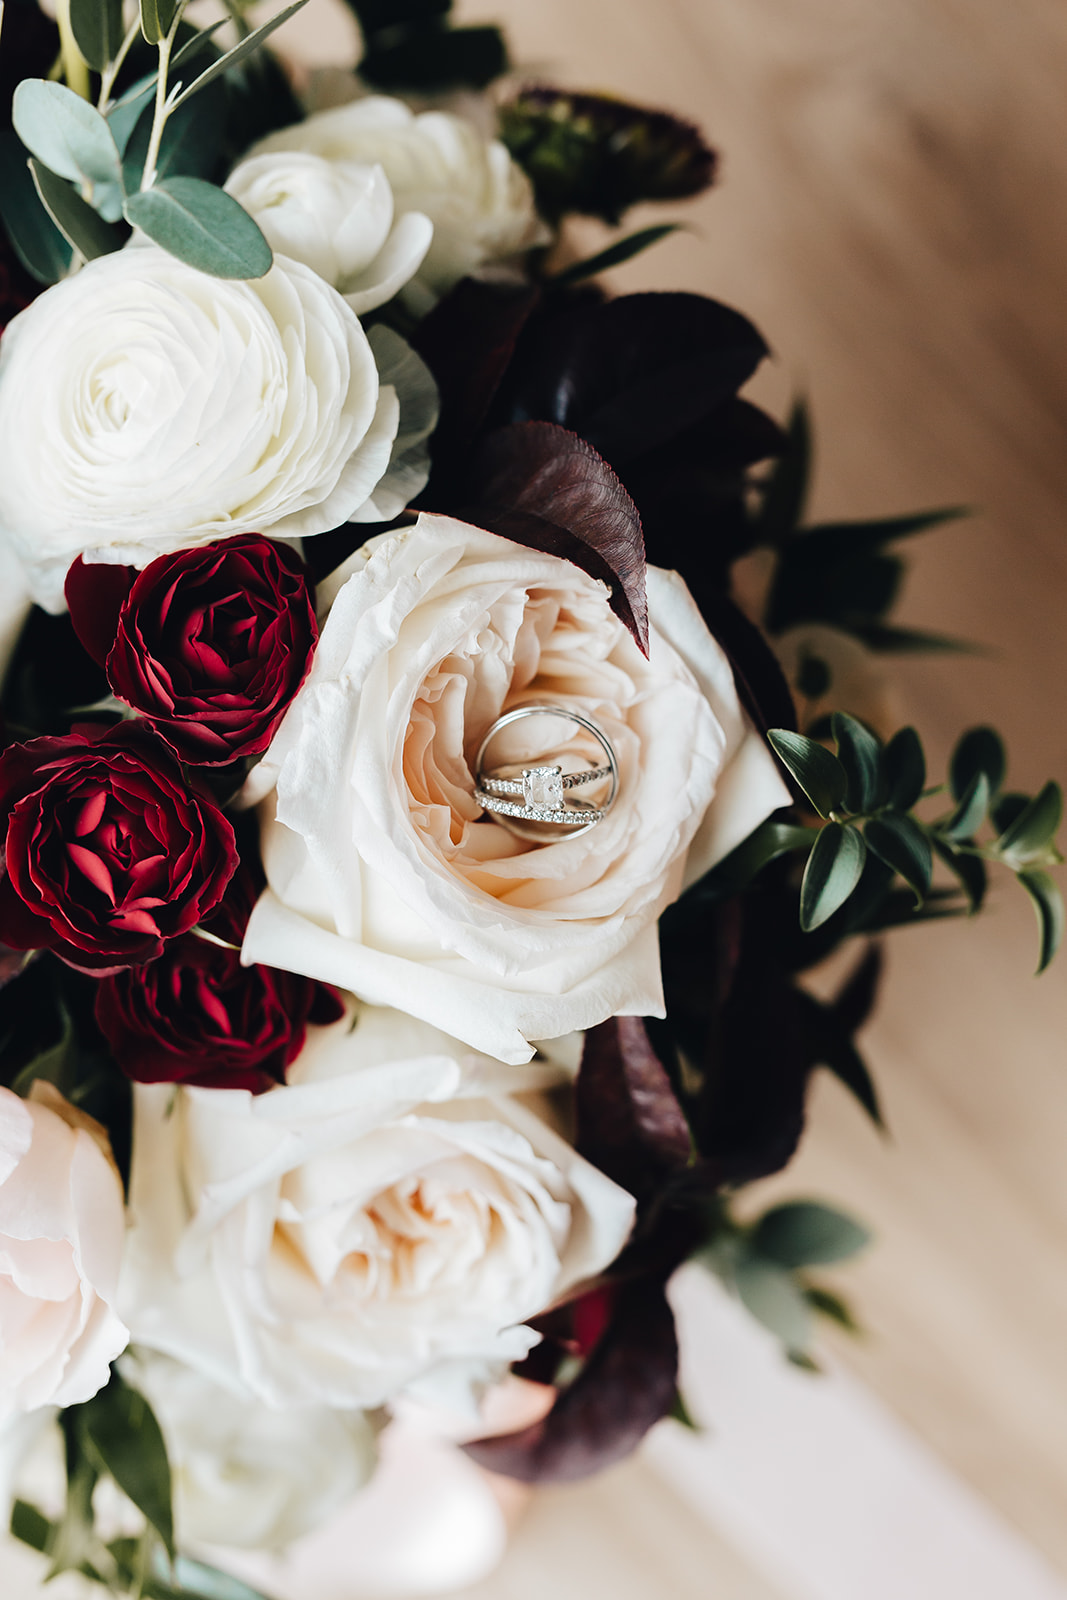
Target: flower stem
[(162, 112), (113, 68), (75, 67)]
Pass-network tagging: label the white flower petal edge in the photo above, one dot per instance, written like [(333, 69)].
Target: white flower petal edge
[(337, 217), (146, 407), (478, 199), (246, 1474), (382, 875), (62, 1227), (366, 1228)]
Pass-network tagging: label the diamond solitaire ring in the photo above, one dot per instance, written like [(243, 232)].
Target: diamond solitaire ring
[(519, 793)]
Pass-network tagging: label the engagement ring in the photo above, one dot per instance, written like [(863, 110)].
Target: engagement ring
[(540, 788)]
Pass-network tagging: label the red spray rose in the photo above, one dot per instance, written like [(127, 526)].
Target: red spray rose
[(107, 853), (197, 1016), (210, 645)]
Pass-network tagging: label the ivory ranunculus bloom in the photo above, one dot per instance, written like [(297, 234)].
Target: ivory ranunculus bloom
[(62, 1226), (146, 407), (384, 875), (387, 1220), (479, 200), (338, 218), (246, 1474)]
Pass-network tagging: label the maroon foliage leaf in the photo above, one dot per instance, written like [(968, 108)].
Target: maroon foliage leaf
[(467, 342), (95, 594), (630, 1124), (549, 490), (628, 1383), (761, 683)]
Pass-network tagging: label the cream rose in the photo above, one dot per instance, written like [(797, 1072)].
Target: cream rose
[(246, 1474), (479, 200), (61, 1235), (337, 217), (385, 877), (146, 407), (387, 1220)]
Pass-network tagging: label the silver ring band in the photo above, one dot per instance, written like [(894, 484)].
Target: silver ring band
[(540, 788)]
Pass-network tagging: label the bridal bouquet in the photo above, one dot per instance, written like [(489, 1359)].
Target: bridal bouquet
[(413, 854)]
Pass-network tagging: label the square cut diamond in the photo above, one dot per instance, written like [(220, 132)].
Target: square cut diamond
[(542, 787)]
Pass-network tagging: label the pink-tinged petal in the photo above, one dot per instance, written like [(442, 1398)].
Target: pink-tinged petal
[(93, 868), (90, 815)]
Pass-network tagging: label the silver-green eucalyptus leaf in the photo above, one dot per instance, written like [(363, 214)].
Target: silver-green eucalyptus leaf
[(65, 132), (201, 225), (805, 1233), (83, 227), (233, 57), (97, 29)]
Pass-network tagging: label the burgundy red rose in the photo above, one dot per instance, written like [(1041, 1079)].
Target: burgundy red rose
[(209, 644), (107, 853)]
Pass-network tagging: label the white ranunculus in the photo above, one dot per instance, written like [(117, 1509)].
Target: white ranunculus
[(385, 877), (337, 217), (479, 200), (146, 407), (62, 1227), (246, 1474), (388, 1220)]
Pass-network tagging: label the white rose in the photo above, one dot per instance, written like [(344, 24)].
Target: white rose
[(381, 1223), (384, 875), (337, 217), (246, 1474), (146, 407), (62, 1226), (479, 200)]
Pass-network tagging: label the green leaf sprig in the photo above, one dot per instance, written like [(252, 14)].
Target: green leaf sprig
[(866, 794)]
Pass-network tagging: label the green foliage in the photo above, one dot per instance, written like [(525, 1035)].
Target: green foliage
[(784, 493), (83, 228), (98, 31), (834, 868), (201, 225), (156, 19), (121, 1435), (868, 793), (36, 240), (613, 256), (239, 53), (411, 44), (804, 1233), (65, 133)]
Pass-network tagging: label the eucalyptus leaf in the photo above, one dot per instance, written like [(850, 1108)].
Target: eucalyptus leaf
[(979, 750), (203, 1582), (774, 1298), (834, 868), (120, 1429), (1048, 904), (820, 774), (65, 132), (200, 40), (804, 1233), (156, 18), (97, 29), (36, 240), (1030, 836), (238, 54), (970, 813), (904, 769), (78, 222), (189, 148), (125, 114), (902, 845), (203, 226), (969, 869), (859, 752), (614, 255)]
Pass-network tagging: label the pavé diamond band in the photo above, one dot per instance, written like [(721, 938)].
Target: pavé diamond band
[(540, 789)]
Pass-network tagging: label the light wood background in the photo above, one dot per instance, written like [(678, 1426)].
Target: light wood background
[(892, 212)]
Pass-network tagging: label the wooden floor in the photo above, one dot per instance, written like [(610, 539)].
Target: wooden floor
[(893, 214)]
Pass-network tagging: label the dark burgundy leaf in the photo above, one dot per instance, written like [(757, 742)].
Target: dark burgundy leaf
[(629, 374), (548, 489), (467, 342), (625, 1387), (761, 683), (630, 1124), (96, 593)]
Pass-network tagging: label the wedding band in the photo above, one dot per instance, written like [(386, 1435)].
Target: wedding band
[(540, 788)]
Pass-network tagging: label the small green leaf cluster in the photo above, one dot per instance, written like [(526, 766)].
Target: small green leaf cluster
[(72, 173), (116, 1435), (411, 44), (765, 1264), (866, 793), (841, 574)]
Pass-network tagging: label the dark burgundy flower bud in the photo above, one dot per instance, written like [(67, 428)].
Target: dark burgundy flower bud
[(197, 1016), (107, 853), (210, 645)]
